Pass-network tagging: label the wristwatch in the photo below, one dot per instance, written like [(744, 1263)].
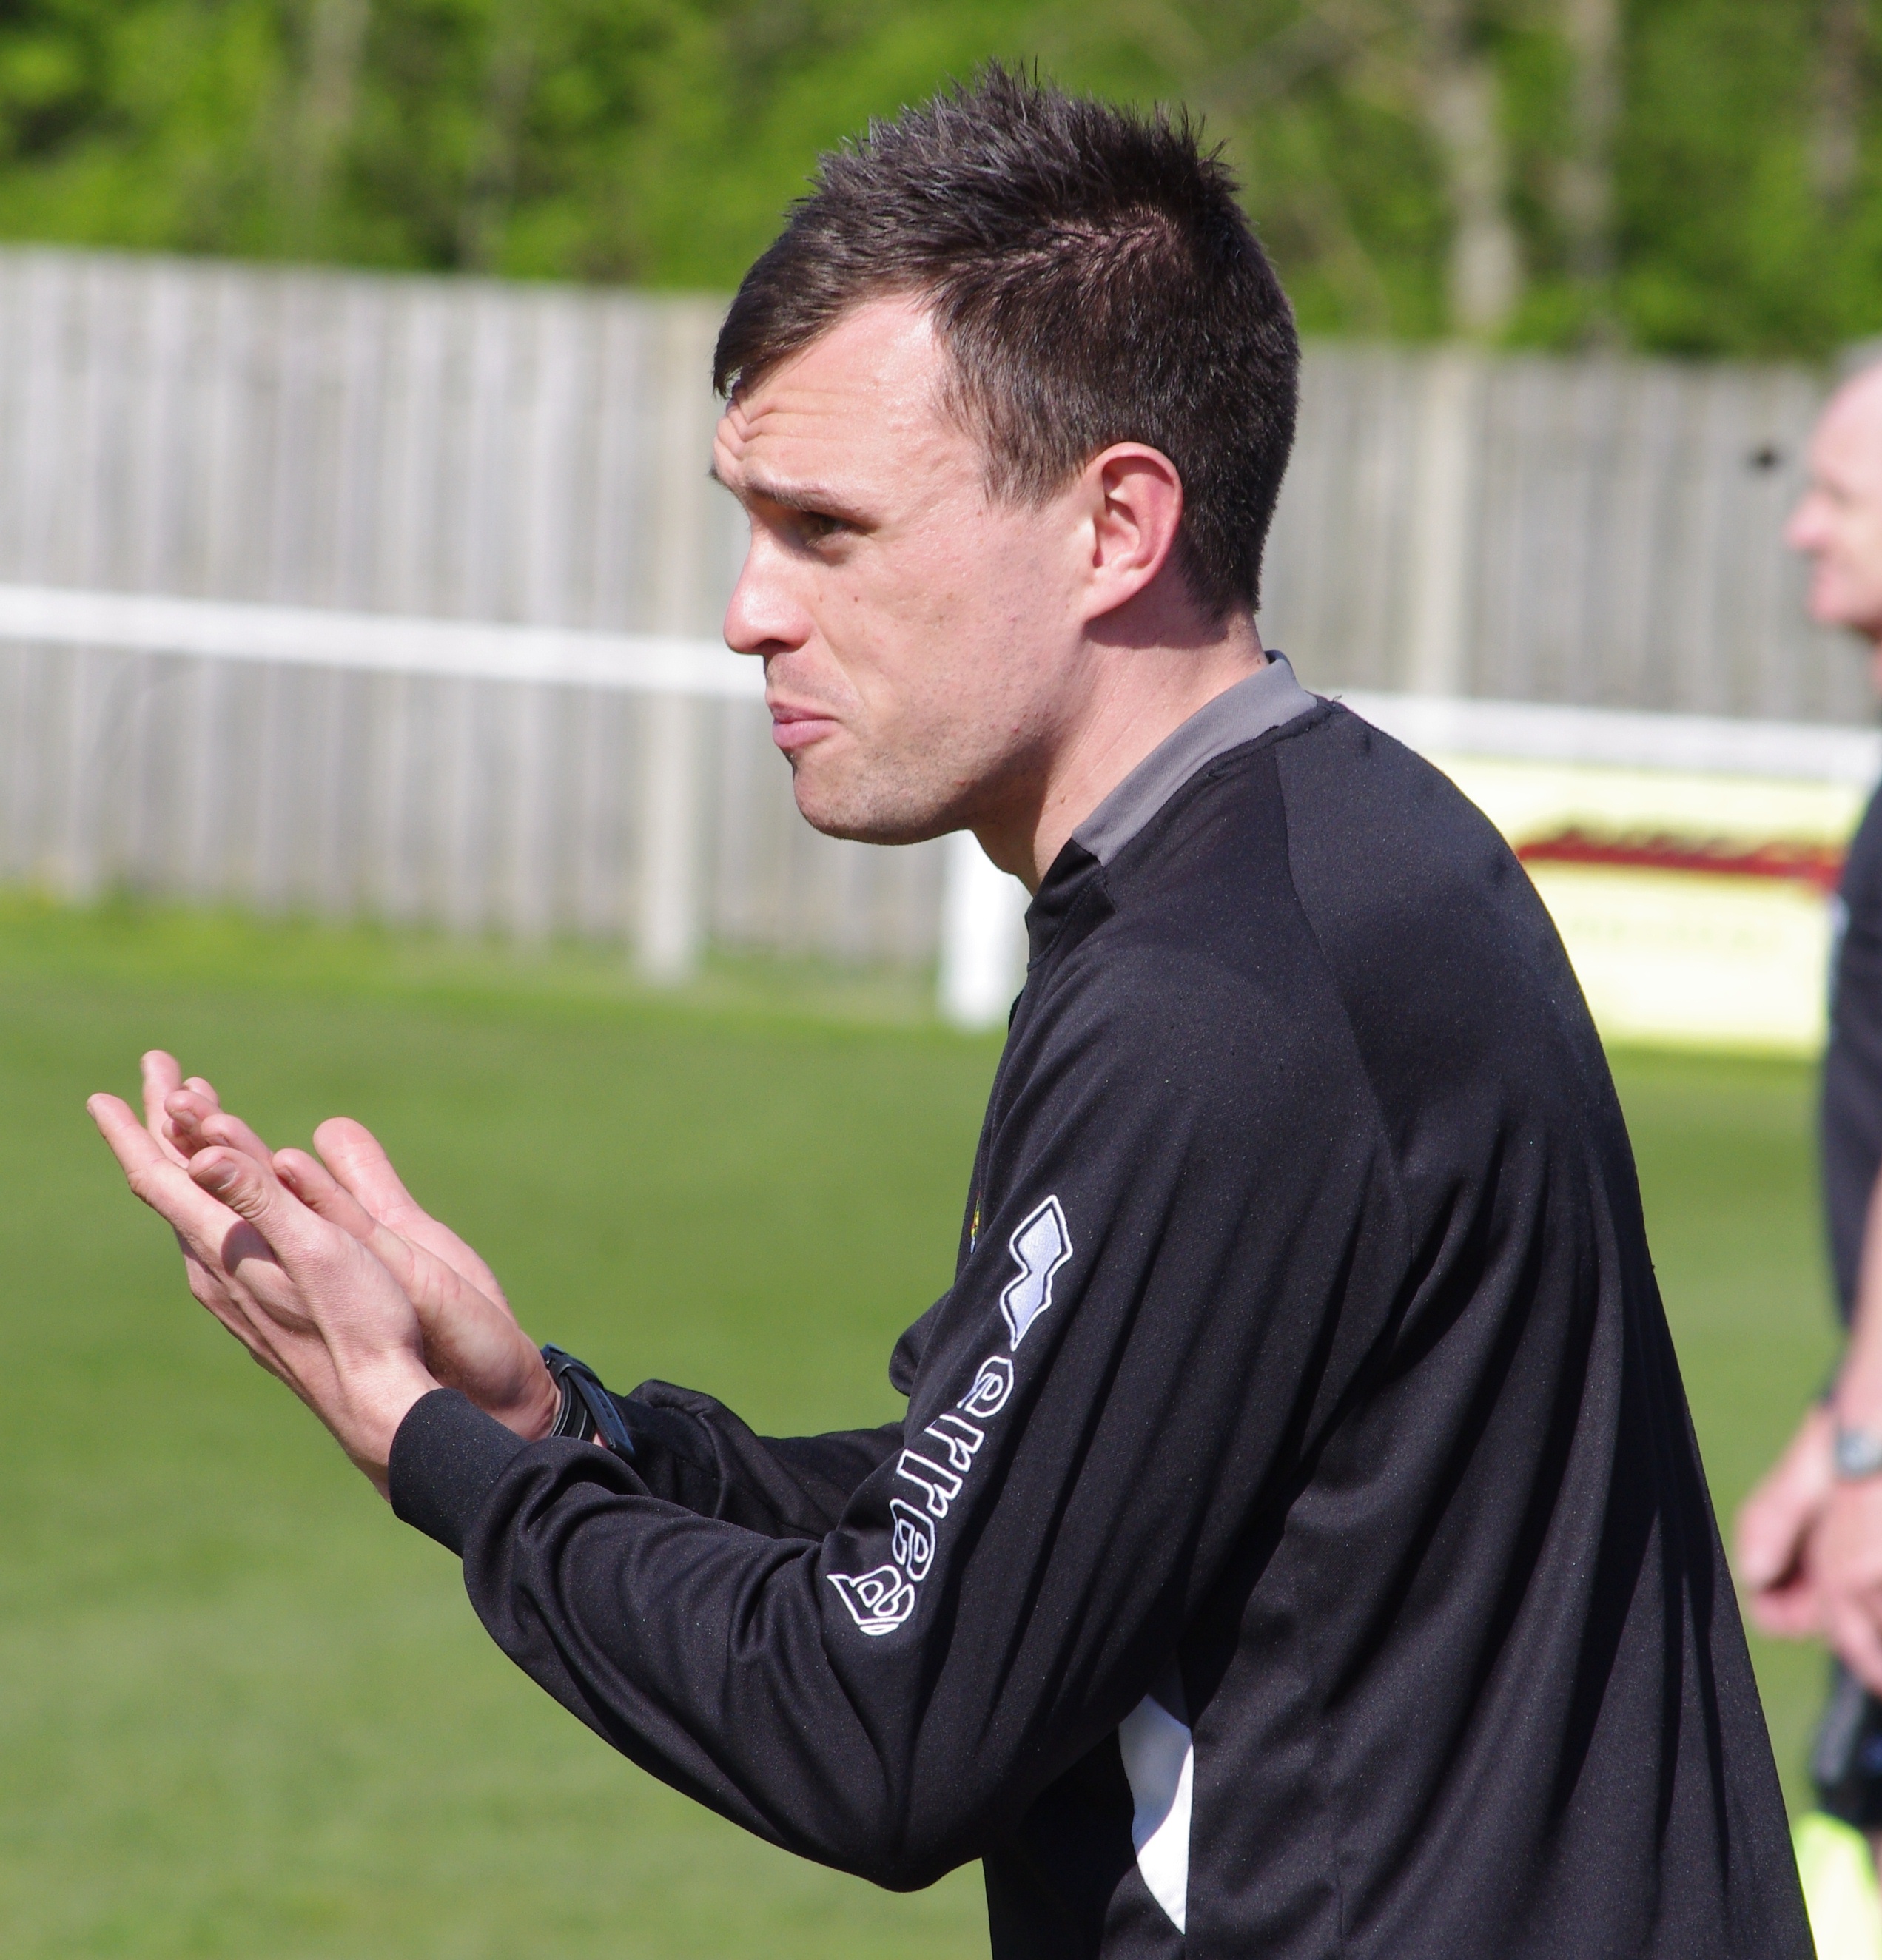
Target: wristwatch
[(1858, 1454), (587, 1410)]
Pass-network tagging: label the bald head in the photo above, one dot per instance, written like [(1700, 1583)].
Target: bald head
[(1839, 524)]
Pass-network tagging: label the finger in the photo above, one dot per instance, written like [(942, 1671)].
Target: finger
[(322, 1193), (1771, 1533), (1791, 1612), (184, 1115), (1793, 1602), (1763, 1566), (436, 1288), (155, 1176), (211, 1117), (358, 1160), (199, 1223), (303, 1248), (359, 1163), (161, 1076), (213, 1126), (252, 1191), (160, 1072)]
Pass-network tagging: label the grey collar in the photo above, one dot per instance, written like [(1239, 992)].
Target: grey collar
[(1266, 699)]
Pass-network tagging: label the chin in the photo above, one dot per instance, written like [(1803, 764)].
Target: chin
[(865, 815), (1856, 608)]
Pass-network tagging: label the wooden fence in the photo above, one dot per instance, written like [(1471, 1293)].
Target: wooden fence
[(1599, 531), (1602, 532), (459, 451)]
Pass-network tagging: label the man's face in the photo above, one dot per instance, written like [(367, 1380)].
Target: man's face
[(1839, 524), (920, 638)]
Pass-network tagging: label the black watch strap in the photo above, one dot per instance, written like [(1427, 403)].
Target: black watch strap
[(588, 1409)]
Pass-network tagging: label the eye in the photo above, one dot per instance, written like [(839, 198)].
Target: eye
[(815, 526)]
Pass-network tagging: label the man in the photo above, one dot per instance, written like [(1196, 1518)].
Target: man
[(1295, 1544), (1810, 1537)]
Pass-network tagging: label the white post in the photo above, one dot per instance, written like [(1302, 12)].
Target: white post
[(669, 926), (667, 942), (1443, 522), (983, 937)]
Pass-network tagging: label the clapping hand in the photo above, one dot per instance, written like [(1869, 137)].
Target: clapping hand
[(307, 1299), (1777, 1529), (343, 1223)]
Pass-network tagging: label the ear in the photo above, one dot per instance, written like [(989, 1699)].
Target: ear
[(1134, 498)]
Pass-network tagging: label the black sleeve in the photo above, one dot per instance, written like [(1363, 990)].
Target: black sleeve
[(695, 1453), (1138, 1347)]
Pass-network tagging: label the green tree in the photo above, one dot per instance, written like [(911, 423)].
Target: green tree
[(1693, 175)]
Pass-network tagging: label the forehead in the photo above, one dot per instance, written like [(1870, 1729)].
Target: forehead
[(865, 399), (1847, 444)]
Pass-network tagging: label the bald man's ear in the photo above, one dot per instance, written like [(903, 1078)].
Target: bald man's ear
[(1134, 499)]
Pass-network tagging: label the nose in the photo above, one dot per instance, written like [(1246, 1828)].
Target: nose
[(1804, 531), (764, 615)]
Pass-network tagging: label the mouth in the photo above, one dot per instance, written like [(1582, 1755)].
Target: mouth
[(793, 727)]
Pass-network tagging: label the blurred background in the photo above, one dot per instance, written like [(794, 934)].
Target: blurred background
[(365, 738)]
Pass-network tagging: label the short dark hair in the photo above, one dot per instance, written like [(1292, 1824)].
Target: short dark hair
[(1094, 280)]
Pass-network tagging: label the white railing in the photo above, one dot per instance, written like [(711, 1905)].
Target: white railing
[(377, 642), (976, 931), (1620, 739), (78, 745), (1596, 531), (335, 487)]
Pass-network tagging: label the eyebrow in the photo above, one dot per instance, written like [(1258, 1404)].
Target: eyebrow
[(812, 499)]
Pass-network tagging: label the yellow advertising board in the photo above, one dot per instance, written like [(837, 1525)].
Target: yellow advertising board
[(1698, 908)]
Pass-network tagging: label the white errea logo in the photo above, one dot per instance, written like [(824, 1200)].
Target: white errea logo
[(954, 1438), (912, 1540), (1041, 1245), (991, 1388), (879, 1601), (935, 1465)]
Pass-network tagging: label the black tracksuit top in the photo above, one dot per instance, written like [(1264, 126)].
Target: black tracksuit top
[(1295, 1545)]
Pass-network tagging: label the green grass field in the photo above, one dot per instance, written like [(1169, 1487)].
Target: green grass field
[(244, 1712)]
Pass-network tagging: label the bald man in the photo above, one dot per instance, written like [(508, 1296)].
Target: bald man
[(1810, 1537)]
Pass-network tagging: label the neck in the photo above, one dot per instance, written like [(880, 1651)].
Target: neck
[(1124, 701)]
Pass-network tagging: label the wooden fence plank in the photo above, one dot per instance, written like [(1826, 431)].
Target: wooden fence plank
[(1600, 530)]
